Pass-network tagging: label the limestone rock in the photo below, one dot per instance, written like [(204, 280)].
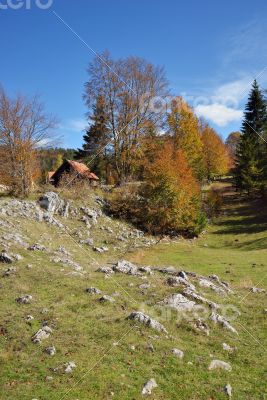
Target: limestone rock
[(24, 299), (219, 319), (146, 320), (51, 351), (208, 284), (179, 302), (106, 270), (125, 267), (178, 353), (41, 334), (106, 299), (228, 348), (9, 271), (149, 386), (53, 204), (93, 290), (218, 364), (69, 367), (5, 258), (257, 290), (228, 390), (37, 247)]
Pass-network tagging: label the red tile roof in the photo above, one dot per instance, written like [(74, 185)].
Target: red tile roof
[(82, 169)]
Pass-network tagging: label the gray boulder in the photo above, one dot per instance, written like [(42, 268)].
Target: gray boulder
[(41, 334), (218, 364), (125, 267), (53, 204), (149, 386), (5, 258), (146, 320), (24, 299)]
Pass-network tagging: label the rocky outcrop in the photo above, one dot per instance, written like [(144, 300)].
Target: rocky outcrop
[(53, 204), (147, 321)]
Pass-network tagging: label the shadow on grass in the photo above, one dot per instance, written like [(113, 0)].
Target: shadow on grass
[(243, 216)]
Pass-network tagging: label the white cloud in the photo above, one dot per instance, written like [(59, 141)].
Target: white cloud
[(75, 125), (234, 92), (219, 114)]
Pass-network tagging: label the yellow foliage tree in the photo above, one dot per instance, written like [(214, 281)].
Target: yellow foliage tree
[(184, 128), (215, 154)]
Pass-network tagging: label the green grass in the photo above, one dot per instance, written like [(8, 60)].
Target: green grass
[(85, 331)]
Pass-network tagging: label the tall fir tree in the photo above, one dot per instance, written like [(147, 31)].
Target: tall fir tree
[(94, 149), (249, 173)]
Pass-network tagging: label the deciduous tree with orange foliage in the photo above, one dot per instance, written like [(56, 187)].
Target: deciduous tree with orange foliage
[(171, 193), (24, 127), (215, 155), (184, 128)]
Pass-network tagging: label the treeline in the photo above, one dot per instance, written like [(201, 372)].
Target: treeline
[(130, 112), (251, 152)]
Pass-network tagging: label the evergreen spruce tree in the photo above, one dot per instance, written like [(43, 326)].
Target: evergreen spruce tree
[(249, 158), (96, 138)]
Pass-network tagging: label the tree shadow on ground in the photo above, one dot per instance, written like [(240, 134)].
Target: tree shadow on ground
[(242, 215)]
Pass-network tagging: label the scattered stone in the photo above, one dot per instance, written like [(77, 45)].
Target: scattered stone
[(218, 364), (37, 247), (29, 318), (219, 319), (24, 299), (200, 326), (144, 286), (51, 351), (191, 294), (89, 242), (101, 249), (149, 386), (146, 270), (9, 271), (182, 275), (179, 302), (93, 290), (106, 299), (150, 347), (49, 378), (208, 284), (225, 285), (106, 270), (146, 320), (5, 258), (125, 267), (228, 348), (175, 281), (228, 390), (41, 334), (257, 290), (132, 348), (178, 353), (69, 367)]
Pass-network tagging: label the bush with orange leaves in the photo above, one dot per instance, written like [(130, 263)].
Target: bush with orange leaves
[(168, 202)]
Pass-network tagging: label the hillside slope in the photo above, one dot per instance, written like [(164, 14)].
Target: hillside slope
[(87, 347)]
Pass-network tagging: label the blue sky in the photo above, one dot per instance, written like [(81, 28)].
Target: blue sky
[(211, 51)]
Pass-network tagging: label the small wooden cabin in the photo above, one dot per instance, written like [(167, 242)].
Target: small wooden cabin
[(74, 168)]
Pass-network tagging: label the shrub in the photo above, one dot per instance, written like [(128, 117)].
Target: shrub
[(168, 201)]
